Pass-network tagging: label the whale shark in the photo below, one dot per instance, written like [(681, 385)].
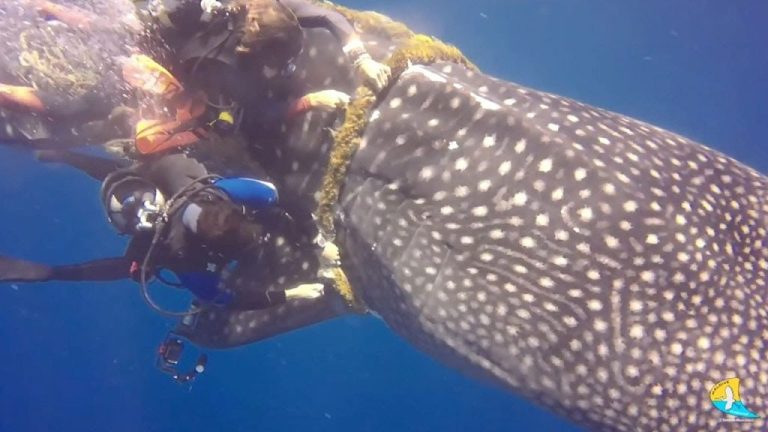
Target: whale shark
[(593, 263)]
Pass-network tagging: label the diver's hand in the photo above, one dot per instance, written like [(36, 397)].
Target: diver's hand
[(331, 253), (16, 270), (374, 73), (306, 291), (209, 7), (327, 100)]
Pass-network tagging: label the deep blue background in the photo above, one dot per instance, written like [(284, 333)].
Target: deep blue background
[(80, 357)]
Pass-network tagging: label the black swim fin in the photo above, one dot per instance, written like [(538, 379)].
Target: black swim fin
[(37, 143), (18, 270)]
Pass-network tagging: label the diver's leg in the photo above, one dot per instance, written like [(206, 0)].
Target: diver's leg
[(94, 166), (173, 172), (22, 98), (72, 16)]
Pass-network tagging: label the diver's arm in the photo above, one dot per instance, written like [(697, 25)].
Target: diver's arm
[(17, 270), (32, 100), (312, 15), (107, 269), (273, 111), (260, 300), (270, 298)]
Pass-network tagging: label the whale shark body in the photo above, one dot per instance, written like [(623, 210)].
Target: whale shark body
[(595, 264)]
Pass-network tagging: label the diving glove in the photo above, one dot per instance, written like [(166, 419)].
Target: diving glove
[(16, 270), (374, 73), (308, 291), (209, 7), (331, 253), (327, 100)]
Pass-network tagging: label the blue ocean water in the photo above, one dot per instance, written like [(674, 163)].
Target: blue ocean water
[(79, 357)]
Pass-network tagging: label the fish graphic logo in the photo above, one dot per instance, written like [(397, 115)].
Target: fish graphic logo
[(725, 397)]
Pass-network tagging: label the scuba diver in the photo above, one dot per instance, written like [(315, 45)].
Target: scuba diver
[(193, 224), (235, 31), (183, 220), (220, 46), (250, 41)]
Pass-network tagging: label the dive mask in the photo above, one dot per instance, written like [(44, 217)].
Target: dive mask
[(132, 204)]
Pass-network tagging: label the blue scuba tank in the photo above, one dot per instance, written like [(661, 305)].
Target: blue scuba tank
[(252, 193)]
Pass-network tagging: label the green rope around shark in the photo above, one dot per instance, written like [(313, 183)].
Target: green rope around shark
[(45, 64), (416, 49), (419, 49)]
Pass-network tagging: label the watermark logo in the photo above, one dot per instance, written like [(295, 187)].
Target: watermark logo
[(725, 396)]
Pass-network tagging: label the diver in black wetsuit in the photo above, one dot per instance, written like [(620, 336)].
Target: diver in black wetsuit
[(245, 52), (183, 220)]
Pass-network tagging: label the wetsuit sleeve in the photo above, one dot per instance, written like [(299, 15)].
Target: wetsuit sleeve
[(16, 270), (107, 269), (261, 300), (311, 15), (172, 173), (66, 106), (271, 111)]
